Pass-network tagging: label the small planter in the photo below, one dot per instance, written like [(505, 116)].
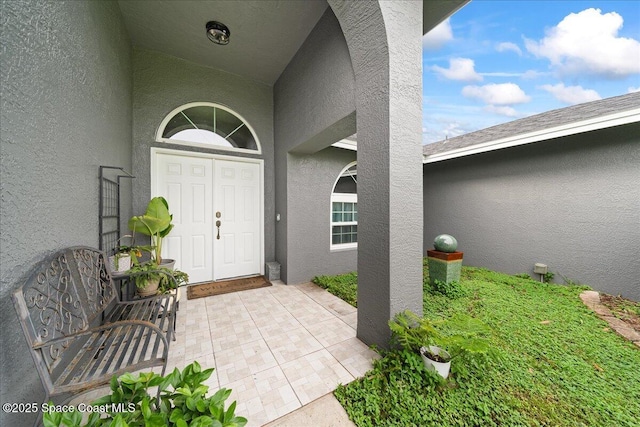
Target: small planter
[(436, 359), (150, 289), (119, 263), (168, 263)]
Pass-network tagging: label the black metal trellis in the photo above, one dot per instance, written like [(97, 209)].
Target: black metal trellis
[(109, 215)]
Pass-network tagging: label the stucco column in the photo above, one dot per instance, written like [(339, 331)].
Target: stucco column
[(384, 40)]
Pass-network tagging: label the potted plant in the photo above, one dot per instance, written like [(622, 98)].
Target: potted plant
[(126, 255), (439, 342), (120, 262), (436, 359), (151, 279), (156, 223)]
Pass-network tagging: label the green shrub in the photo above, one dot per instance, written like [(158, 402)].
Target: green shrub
[(180, 401)]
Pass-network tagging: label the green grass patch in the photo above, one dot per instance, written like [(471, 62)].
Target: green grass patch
[(344, 286), (558, 364)]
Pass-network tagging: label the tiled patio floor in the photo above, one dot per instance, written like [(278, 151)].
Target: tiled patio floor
[(278, 348)]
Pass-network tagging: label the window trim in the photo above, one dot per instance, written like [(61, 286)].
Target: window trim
[(341, 197), (168, 117)]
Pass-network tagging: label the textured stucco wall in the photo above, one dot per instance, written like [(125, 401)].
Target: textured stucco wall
[(310, 199), (388, 71), (313, 107), (571, 203), (66, 110), (162, 83)]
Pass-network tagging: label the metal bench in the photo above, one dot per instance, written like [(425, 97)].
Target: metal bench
[(80, 334)]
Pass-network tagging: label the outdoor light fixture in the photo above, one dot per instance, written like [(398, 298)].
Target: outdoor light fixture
[(217, 32)]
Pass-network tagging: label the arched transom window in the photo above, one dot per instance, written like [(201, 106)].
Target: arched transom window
[(205, 124), (344, 209)]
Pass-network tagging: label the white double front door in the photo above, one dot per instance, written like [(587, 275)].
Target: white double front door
[(217, 213)]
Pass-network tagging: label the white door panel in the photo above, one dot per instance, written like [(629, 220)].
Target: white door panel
[(187, 184), (237, 198)]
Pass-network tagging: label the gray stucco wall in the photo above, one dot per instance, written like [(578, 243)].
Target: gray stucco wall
[(314, 106), (162, 83), (571, 203), (66, 110), (310, 251)]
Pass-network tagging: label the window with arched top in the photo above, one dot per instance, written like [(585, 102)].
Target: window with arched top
[(209, 125), (344, 209)]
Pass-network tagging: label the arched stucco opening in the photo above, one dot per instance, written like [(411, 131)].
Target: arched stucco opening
[(384, 42)]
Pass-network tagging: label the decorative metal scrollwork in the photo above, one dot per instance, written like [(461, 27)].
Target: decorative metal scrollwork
[(95, 279), (54, 305)]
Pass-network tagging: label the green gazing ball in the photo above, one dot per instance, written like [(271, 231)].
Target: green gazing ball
[(445, 243)]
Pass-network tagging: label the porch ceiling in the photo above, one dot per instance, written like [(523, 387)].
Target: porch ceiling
[(265, 34)]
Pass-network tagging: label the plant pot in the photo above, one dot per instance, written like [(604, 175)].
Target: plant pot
[(442, 368), (120, 263), (150, 289), (168, 263)]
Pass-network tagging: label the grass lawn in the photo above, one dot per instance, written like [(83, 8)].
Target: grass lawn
[(558, 364)]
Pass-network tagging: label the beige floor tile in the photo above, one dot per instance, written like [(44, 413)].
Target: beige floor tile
[(354, 355), (351, 320), (242, 361), (332, 331), (234, 335), (292, 344), (315, 375), (263, 397)]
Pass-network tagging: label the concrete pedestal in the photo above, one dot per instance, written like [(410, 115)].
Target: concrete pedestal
[(444, 266)]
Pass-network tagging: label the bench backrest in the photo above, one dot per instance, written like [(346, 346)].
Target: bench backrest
[(62, 296)]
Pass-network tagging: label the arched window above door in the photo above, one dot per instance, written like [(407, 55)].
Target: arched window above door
[(205, 124)]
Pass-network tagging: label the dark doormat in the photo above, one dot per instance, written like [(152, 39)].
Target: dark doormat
[(227, 286)]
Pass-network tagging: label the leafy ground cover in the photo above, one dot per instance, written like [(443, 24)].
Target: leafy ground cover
[(344, 286), (556, 363)]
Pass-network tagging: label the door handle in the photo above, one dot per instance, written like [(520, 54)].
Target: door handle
[(218, 223)]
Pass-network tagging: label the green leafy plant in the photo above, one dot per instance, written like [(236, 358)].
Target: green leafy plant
[(169, 279), (180, 401), (458, 335), (156, 223), (548, 277), (452, 289)]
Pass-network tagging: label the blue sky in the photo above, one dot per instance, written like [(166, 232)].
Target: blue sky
[(497, 61)]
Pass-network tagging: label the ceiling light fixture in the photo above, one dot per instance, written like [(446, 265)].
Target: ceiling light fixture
[(218, 33)]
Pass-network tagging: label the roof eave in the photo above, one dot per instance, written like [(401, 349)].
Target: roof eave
[(596, 123)]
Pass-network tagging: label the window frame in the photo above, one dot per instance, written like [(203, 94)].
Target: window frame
[(175, 111), (342, 198)]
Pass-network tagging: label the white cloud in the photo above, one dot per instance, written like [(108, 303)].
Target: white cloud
[(632, 89), (502, 110), (497, 94), (532, 74), (443, 129), (571, 94), (438, 37), (588, 43), (461, 69), (508, 46)]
